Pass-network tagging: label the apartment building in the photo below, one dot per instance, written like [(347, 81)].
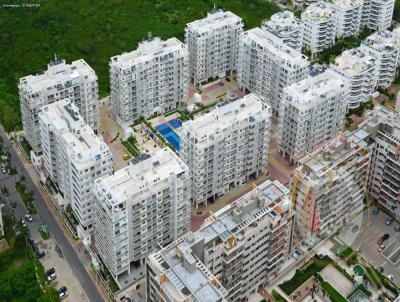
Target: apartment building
[(226, 147), (76, 81), (328, 187), (213, 44), (73, 156), (318, 27), (286, 27), (152, 79), (312, 114), (384, 175), (360, 69), (349, 14), (140, 208), (384, 47), (237, 249), (377, 14), (267, 65)]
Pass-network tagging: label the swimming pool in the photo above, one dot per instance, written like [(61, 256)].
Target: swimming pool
[(166, 130)]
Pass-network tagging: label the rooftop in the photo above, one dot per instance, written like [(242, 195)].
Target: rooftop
[(136, 181), (215, 19), (58, 72), (147, 50), (318, 12), (281, 21), (353, 62), (220, 119), (385, 41), (347, 4), (315, 90)]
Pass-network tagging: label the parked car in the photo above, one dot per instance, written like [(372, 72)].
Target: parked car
[(389, 221), (380, 269), (51, 274), (3, 170), (375, 211), (40, 254), (386, 236), (63, 292), (397, 228), (390, 277), (381, 248), (28, 217), (380, 241)]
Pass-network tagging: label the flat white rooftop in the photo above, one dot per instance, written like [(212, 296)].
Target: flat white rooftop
[(146, 51), (353, 62), (383, 41), (281, 21), (318, 12), (214, 20), (347, 4)]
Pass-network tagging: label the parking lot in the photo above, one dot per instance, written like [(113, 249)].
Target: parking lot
[(364, 232)]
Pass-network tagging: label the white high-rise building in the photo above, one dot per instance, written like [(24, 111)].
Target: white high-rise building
[(285, 26), (140, 208), (312, 114), (76, 81), (267, 66), (348, 13), (238, 249), (318, 27), (384, 47), (377, 14), (226, 147), (152, 79), (213, 44), (73, 156), (361, 70), (328, 187)]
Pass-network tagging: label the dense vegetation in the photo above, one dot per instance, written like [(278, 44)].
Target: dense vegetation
[(22, 277), (396, 12), (95, 31)]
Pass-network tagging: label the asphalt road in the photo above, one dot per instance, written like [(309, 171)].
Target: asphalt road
[(46, 216)]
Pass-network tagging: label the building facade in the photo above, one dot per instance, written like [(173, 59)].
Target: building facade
[(267, 65), (152, 79), (312, 114), (238, 248), (377, 14), (213, 44), (73, 157), (384, 47), (360, 69), (76, 81), (328, 187), (286, 27), (349, 14), (226, 147), (140, 208), (318, 27)]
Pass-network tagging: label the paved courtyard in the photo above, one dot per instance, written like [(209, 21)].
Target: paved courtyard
[(337, 280), (364, 231)]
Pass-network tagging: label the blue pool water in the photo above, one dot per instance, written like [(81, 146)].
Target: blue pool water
[(169, 134)]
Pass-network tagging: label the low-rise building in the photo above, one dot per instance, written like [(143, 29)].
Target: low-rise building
[(349, 14), (213, 44), (267, 65), (311, 114), (377, 14), (360, 69), (286, 27), (152, 79), (318, 27), (384, 47), (328, 187), (140, 208), (73, 157), (238, 249), (226, 147), (76, 81)]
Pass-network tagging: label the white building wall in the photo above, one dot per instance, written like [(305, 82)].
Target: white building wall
[(267, 66), (213, 44), (349, 14), (152, 79), (377, 14), (76, 81)]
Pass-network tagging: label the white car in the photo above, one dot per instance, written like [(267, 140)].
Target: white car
[(381, 248), (28, 217), (51, 277), (390, 277)]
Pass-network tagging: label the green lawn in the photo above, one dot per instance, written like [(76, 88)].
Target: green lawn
[(333, 293), (302, 276), (94, 31)]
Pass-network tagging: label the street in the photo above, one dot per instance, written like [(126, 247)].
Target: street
[(46, 216)]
